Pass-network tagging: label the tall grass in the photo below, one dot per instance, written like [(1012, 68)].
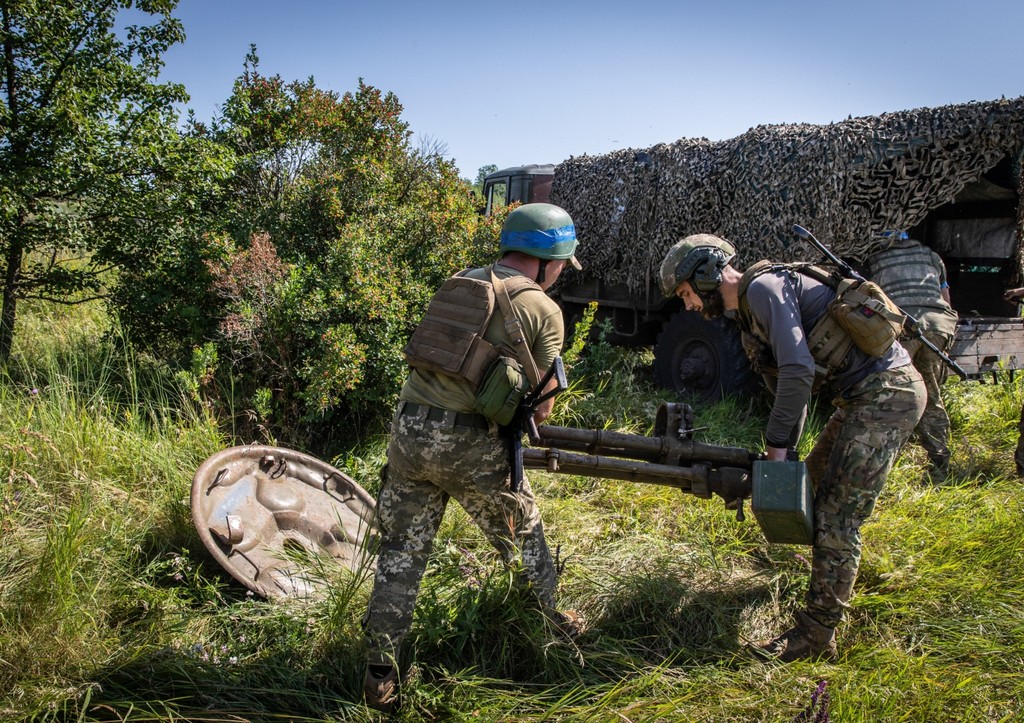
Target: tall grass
[(110, 609)]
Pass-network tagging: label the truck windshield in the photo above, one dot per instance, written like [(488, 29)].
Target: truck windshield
[(496, 194), (502, 191)]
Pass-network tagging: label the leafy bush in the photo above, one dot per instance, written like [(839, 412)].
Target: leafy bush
[(321, 255)]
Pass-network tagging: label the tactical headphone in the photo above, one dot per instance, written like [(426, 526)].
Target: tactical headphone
[(703, 270)]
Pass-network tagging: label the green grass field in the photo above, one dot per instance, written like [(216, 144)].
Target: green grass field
[(112, 610)]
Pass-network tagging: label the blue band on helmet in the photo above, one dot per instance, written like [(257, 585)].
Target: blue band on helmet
[(539, 239)]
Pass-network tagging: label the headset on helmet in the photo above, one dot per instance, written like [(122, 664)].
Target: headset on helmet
[(542, 230), (698, 259)]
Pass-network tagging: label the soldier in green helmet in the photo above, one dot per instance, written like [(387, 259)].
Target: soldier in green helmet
[(441, 448), (879, 400)]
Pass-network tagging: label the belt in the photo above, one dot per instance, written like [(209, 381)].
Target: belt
[(437, 414)]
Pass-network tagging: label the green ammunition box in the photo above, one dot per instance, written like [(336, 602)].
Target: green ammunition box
[(783, 502)]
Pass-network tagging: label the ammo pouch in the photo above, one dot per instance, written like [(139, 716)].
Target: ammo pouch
[(502, 389), (868, 315)]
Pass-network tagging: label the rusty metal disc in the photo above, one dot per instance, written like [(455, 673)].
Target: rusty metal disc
[(277, 519)]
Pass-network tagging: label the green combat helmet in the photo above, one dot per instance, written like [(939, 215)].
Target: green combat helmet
[(542, 230), (698, 259)]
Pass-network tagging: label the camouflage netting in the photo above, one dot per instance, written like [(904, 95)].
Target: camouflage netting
[(844, 182)]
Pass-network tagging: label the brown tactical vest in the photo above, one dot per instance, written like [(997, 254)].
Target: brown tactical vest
[(450, 338), (861, 315), (827, 341)]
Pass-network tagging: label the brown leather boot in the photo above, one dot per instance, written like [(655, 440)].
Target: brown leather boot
[(809, 640), (380, 687)]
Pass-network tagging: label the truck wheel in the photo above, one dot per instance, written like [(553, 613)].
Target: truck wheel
[(701, 360)]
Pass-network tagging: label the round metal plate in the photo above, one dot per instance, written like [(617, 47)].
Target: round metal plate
[(276, 519)]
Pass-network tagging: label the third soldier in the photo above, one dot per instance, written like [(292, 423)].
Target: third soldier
[(915, 278)]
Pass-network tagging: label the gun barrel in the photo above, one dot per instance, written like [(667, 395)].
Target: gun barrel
[(664, 450), (698, 479)]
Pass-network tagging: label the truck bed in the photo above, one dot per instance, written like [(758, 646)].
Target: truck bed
[(987, 344)]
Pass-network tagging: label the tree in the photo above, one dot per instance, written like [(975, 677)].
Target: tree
[(481, 174), (95, 170), (323, 249)]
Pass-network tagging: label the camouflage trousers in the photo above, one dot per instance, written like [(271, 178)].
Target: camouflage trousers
[(849, 465), (430, 462), (933, 429)]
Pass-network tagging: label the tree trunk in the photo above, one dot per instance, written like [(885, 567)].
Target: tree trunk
[(10, 296)]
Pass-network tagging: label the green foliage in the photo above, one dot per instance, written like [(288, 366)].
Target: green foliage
[(481, 174), (95, 171), (326, 244), (617, 380)]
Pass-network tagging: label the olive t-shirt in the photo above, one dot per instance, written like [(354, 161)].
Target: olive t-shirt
[(542, 326)]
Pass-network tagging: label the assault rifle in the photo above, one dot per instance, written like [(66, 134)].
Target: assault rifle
[(911, 327), (523, 421)]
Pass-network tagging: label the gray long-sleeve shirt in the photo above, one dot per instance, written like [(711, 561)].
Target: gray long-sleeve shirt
[(786, 305)]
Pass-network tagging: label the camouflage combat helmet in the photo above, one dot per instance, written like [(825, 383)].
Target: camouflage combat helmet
[(542, 230), (698, 259)]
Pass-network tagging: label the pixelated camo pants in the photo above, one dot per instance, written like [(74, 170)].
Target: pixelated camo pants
[(428, 463)]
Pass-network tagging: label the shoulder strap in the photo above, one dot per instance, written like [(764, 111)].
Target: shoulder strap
[(832, 279), (758, 269), (515, 285), (514, 328)]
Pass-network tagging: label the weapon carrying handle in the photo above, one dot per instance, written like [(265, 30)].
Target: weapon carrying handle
[(557, 372)]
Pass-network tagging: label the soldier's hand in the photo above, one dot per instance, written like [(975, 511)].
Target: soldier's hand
[(776, 454)]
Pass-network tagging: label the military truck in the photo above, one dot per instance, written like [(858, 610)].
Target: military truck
[(949, 176)]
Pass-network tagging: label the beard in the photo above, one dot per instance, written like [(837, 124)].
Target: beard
[(713, 305)]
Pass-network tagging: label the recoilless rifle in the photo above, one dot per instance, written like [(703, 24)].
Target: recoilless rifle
[(780, 492)]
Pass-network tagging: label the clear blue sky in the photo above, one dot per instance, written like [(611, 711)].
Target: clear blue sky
[(535, 82)]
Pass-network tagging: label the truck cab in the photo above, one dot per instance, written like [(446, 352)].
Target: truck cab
[(524, 184)]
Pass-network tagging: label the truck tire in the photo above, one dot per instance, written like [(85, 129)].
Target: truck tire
[(701, 360)]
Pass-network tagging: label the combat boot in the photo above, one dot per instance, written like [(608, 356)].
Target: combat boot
[(938, 470), (808, 640), (571, 623), (380, 687)]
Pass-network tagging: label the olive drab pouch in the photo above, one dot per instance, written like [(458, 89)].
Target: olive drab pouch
[(868, 315), (514, 373), (502, 389), (449, 339)]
